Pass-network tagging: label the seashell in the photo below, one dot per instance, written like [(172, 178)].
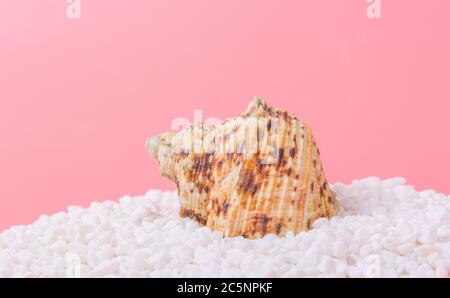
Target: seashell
[(254, 174)]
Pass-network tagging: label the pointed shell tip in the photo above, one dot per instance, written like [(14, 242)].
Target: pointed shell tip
[(152, 145), (256, 102)]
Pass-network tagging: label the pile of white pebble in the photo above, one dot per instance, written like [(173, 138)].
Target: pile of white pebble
[(386, 229)]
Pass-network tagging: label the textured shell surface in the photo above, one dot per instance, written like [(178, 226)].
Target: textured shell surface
[(254, 174)]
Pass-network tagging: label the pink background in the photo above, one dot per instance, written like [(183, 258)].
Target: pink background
[(79, 97)]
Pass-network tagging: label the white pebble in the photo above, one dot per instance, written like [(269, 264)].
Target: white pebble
[(441, 272), (107, 267), (326, 265), (8, 236), (392, 182), (59, 218), (437, 213), (428, 237), (203, 256), (52, 233), (446, 251), (443, 233), (365, 250), (75, 211), (340, 249), (403, 228), (405, 249), (426, 250)]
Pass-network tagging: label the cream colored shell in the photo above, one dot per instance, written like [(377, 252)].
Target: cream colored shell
[(254, 174)]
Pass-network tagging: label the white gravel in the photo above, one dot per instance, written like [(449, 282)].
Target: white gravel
[(386, 229)]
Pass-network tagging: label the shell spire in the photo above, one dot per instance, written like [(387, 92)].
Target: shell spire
[(254, 174)]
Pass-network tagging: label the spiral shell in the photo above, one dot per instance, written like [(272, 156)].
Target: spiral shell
[(252, 175)]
